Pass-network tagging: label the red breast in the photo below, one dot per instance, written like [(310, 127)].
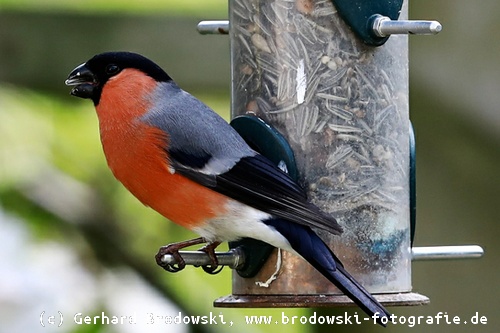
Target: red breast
[(135, 153)]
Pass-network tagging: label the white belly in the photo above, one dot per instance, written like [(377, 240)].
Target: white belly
[(242, 221)]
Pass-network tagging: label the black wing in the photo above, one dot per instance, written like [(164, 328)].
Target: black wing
[(257, 182)]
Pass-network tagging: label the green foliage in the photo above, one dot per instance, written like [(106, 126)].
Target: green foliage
[(184, 7)]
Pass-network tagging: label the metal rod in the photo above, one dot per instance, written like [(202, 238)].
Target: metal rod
[(213, 27), (384, 26), (446, 252), (234, 258)]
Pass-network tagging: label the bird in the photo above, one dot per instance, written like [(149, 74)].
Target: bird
[(179, 157)]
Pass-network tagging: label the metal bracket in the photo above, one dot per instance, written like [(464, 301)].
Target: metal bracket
[(234, 258), (220, 27), (375, 21), (383, 26), (237, 258), (446, 252)]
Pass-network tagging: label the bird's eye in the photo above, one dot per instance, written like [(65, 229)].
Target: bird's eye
[(112, 69)]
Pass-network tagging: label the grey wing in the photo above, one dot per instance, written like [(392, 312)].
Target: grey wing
[(198, 138)]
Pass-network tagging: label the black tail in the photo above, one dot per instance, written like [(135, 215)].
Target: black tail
[(349, 286), (305, 242)]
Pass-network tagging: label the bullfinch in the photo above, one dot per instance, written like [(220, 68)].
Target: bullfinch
[(180, 158)]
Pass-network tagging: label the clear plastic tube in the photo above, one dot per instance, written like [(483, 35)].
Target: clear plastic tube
[(343, 106)]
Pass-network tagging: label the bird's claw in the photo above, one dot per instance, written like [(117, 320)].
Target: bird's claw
[(212, 269), (173, 268), (214, 266), (180, 264), (172, 249)]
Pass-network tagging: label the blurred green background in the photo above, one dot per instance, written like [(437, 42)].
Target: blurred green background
[(73, 240)]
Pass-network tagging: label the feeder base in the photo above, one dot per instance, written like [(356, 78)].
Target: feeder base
[(314, 301)]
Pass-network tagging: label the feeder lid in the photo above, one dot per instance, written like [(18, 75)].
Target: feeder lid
[(359, 15)]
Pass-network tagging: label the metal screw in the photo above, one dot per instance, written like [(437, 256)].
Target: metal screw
[(383, 26), (233, 259), (213, 27), (446, 252)]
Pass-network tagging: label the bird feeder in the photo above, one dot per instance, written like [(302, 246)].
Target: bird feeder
[(321, 88)]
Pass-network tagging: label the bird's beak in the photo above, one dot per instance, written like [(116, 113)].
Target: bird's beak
[(84, 81)]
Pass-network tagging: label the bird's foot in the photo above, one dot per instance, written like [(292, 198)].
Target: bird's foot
[(173, 249), (214, 267)]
